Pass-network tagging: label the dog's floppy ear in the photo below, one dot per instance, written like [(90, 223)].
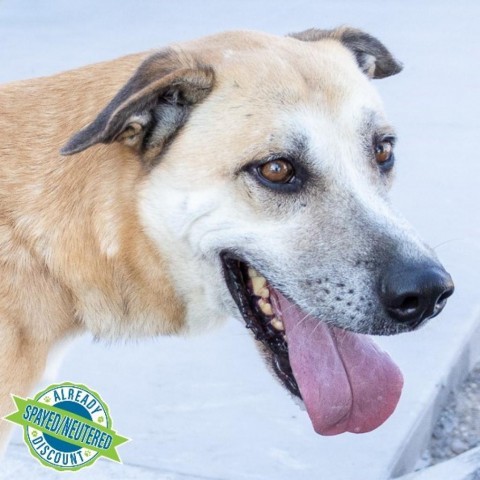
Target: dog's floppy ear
[(151, 106), (372, 56)]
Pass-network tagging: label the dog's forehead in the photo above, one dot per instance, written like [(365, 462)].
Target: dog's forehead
[(279, 75), (267, 74), (281, 69)]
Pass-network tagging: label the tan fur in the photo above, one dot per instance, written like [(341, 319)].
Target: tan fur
[(74, 254), (52, 268)]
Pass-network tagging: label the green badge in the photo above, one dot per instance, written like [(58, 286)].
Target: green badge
[(67, 426)]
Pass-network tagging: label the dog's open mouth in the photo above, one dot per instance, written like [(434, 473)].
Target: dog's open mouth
[(346, 382)]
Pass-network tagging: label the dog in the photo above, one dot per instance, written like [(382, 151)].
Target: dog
[(240, 175)]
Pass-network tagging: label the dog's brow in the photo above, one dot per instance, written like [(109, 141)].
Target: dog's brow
[(375, 124), (295, 146), (298, 144), (385, 132)]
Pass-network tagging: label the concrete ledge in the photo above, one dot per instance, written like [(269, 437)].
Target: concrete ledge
[(417, 441), (458, 468)]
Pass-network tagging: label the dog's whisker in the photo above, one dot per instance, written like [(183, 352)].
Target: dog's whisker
[(303, 320), (316, 326), (447, 242)]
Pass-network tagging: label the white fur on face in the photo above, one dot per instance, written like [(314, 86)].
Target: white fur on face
[(171, 217)]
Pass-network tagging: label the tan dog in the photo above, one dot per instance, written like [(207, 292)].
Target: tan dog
[(242, 174)]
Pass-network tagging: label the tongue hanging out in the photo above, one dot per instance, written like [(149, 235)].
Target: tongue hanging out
[(347, 383)]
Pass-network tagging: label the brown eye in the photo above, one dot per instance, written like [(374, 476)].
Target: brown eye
[(277, 171), (383, 152)]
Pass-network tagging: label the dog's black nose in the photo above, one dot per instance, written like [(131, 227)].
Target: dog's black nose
[(414, 294)]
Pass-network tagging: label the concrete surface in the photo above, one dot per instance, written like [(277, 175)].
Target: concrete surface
[(458, 426), (462, 467), (206, 407)]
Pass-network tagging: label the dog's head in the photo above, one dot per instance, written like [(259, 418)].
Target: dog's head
[(269, 160)]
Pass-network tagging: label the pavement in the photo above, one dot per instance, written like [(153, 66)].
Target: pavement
[(458, 427), (206, 408)]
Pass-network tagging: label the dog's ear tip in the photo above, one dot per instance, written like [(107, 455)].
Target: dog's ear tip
[(392, 67), (67, 150), (399, 66), (72, 146), (85, 138), (397, 69)]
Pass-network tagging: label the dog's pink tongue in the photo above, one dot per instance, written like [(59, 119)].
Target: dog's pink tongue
[(347, 383)]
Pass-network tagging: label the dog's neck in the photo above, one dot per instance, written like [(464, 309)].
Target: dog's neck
[(88, 241)]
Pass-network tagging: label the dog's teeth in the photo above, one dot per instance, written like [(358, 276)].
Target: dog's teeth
[(265, 307), (277, 324), (252, 273), (258, 283), (263, 292)]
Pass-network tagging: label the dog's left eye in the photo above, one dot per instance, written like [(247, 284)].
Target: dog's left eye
[(384, 154), (280, 173), (277, 171)]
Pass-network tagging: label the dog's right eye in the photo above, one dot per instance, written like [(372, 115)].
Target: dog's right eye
[(278, 171), (383, 151)]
